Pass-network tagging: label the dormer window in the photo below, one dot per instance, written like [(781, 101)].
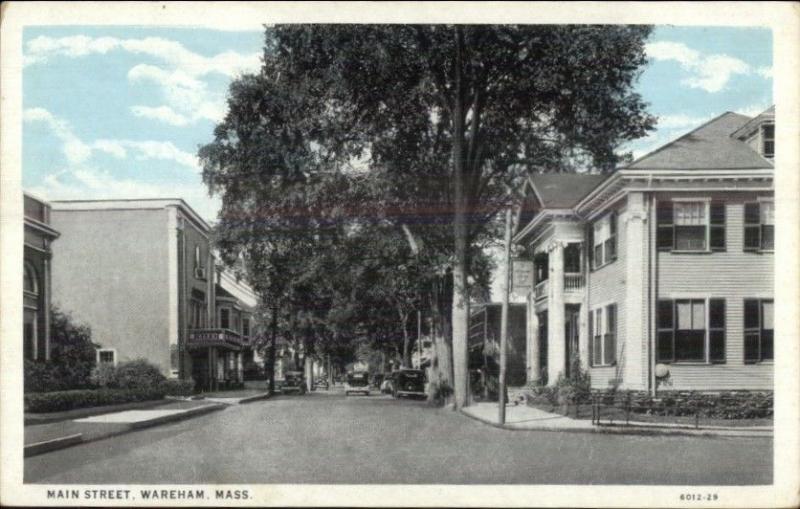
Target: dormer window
[(768, 140)]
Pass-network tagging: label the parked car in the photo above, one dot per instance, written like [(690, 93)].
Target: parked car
[(293, 382), (357, 382), (387, 384), (322, 383), (408, 382)]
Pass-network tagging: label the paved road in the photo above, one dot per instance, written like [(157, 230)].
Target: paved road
[(327, 438)]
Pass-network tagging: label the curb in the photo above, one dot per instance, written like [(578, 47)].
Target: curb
[(257, 397), (627, 430), (37, 448), (188, 414), (71, 440)]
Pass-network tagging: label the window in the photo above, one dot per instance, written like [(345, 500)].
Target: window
[(768, 140), (603, 234), (106, 357), (540, 267), (224, 318), (29, 334), (758, 330), (686, 333), (690, 226), (197, 310), (603, 331), (246, 327), (197, 264), (759, 226), (29, 283)]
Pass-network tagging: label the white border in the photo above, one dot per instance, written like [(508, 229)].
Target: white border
[(781, 17)]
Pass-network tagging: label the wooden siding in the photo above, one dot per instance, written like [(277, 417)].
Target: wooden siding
[(606, 285), (733, 275)]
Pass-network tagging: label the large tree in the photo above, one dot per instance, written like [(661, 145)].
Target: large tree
[(450, 116)]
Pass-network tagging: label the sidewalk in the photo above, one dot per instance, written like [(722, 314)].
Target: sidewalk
[(523, 417), (42, 438)]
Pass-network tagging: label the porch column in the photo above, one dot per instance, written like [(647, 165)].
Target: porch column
[(583, 330), (556, 344), (239, 367), (635, 340), (532, 350)]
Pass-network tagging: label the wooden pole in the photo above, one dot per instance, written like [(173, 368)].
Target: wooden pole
[(501, 397)]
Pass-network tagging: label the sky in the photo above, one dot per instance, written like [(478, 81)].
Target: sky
[(119, 112)]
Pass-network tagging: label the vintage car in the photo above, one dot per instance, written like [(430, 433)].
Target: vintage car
[(293, 382), (408, 382), (322, 383), (357, 382)]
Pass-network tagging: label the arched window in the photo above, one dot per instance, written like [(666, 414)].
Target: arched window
[(30, 284)]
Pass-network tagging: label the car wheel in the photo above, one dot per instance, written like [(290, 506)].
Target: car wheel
[(366, 393)]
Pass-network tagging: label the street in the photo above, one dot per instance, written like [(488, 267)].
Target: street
[(325, 437)]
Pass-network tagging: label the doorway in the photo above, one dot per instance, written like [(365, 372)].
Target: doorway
[(543, 346)]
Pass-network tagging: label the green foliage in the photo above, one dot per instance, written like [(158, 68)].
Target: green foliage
[(137, 374), (351, 130), (724, 405), (172, 387), (72, 357), (58, 401), (575, 389)]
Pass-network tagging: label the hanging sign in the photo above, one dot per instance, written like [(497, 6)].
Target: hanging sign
[(521, 277)]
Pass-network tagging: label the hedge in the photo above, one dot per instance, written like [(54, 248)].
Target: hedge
[(58, 401), (178, 387)]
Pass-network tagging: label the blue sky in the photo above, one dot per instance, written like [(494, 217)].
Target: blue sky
[(119, 112)]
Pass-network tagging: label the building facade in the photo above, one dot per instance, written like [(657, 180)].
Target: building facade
[(36, 287), (662, 267), (142, 275)]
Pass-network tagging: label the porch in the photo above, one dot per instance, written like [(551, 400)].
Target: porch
[(216, 356)]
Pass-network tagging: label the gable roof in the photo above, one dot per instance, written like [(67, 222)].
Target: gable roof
[(563, 190), (709, 147), (765, 116)]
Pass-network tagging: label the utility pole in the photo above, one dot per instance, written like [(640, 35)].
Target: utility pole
[(501, 397)]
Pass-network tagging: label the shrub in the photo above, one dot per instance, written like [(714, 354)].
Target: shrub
[(178, 387), (72, 358), (724, 405), (136, 374), (59, 401)]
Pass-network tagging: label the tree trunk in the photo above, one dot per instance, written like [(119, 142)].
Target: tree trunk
[(271, 353), (460, 270)]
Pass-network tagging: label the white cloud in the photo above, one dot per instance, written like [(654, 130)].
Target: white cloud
[(89, 183), (765, 72), (75, 150), (707, 72), (163, 113), (78, 152), (187, 97)]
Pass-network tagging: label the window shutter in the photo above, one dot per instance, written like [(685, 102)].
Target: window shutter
[(752, 227), (611, 250), (609, 338), (752, 325), (665, 351), (590, 247), (717, 227), (716, 330), (665, 231)]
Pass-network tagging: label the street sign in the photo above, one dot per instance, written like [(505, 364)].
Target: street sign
[(522, 277)]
